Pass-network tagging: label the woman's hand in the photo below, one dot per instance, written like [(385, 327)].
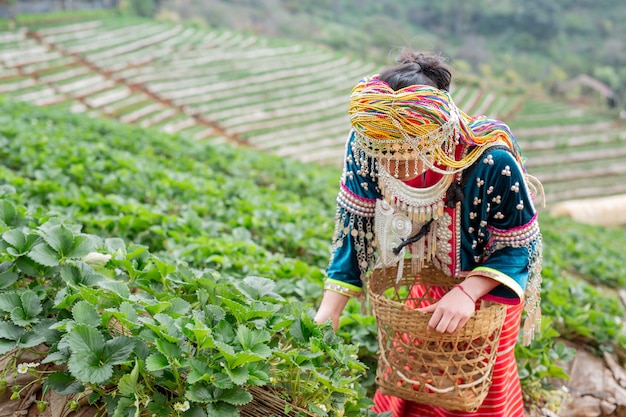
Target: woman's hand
[(451, 312), (455, 308)]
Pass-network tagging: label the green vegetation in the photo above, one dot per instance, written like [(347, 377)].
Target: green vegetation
[(210, 262)]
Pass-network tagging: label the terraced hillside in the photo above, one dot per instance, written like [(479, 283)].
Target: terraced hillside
[(282, 98)]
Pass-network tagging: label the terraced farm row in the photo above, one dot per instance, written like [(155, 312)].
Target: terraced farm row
[(286, 99)]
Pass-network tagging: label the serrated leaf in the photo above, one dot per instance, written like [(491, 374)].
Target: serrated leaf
[(124, 408), (56, 357), (254, 340), (20, 317), (117, 350), (158, 307), (128, 385), (201, 334), (199, 393), (179, 306), (257, 288), (9, 301), (83, 338), (198, 371), (214, 314), (31, 339), (117, 287), (85, 313), (83, 244), (222, 409), (236, 359), (87, 368), (156, 362), (59, 237), (10, 331), (7, 278), (63, 383), (79, 273), (234, 396), (6, 346), (164, 268), (170, 350), (44, 255), (19, 241), (30, 303), (238, 375)]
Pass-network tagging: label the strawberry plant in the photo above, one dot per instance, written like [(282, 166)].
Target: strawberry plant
[(132, 332)]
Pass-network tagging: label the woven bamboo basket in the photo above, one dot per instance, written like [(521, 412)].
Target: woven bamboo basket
[(452, 371)]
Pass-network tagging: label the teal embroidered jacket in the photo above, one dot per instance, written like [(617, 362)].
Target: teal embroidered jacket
[(496, 233)]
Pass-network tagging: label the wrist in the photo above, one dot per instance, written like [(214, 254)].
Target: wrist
[(464, 291)]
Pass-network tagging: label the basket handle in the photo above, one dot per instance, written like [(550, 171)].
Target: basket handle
[(429, 386)]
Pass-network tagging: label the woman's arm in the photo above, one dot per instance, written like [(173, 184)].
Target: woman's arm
[(331, 307)]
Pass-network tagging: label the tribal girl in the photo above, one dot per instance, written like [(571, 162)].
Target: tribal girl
[(423, 180)]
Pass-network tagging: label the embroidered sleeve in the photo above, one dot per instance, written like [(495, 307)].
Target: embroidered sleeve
[(353, 240), (507, 231), (505, 223)]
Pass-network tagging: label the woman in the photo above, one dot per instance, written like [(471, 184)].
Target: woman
[(423, 180)]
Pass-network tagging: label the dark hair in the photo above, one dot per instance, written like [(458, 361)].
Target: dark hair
[(418, 68)]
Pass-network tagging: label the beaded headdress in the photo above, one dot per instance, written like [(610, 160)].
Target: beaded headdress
[(420, 122)]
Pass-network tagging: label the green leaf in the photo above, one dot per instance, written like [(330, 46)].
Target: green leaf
[(84, 338), (128, 385), (8, 213), (198, 371), (31, 339), (124, 408), (236, 359), (179, 306), (15, 238), (234, 396), (20, 242), (199, 393), (117, 287), (85, 313), (238, 375), (87, 367), (9, 301), (63, 383), (170, 350), (29, 308), (6, 346), (10, 331), (44, 255), (163, 268), (58, 236), (257, 288), (156, 362), (254, 340), (7, 278), (222, 409), (83, 244), (158, 307), (79, 273), (117, 350)]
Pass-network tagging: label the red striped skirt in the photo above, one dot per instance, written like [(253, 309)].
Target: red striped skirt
[(505, 395)]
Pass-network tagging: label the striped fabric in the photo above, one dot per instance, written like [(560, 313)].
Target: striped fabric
[(505, 395)]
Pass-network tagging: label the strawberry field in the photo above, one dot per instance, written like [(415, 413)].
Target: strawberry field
[(210, 262), (148, 267)]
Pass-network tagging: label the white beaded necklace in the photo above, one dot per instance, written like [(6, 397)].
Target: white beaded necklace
[(420, 204)]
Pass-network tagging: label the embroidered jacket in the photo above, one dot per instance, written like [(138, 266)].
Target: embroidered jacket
[(493, 232)]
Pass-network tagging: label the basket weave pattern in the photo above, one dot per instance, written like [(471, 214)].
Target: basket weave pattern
[(452, 371)]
